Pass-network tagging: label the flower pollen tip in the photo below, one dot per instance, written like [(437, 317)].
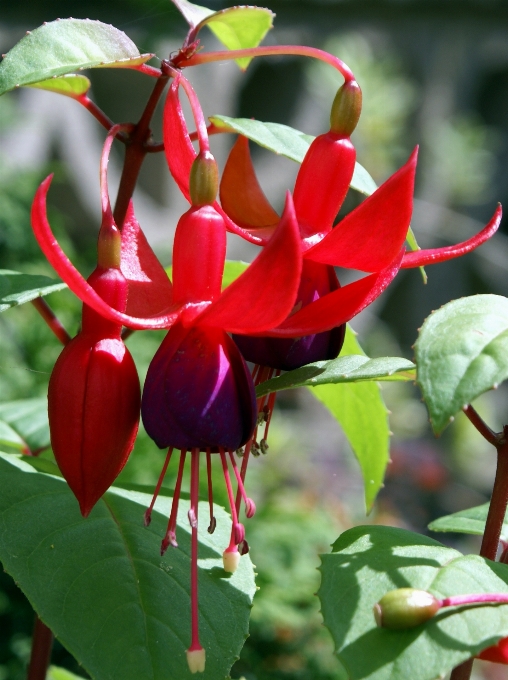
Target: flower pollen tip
[(230, 560), (250, 508), (148, 517), (239, 533), (263, 445), (196, 659), (212, 525)]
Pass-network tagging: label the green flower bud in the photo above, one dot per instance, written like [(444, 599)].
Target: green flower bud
[(346, 109), (109, 245), (405, 608), (204, 179)]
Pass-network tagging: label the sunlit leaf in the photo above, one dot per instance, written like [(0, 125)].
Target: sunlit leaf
[(67, 45), (16, 288), (469, 521), (29, 420), (100, 583), (368, 562), (10, 438), (286, 141), (71, 85), (193, 14), (461, 352), (56, 673)]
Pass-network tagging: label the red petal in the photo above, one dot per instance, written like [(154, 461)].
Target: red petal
[(264, 295), (371, 236), (497, 653), (180, 155), (240, 193), (150, 290), (420, 258), (64, 268), (337, 307)]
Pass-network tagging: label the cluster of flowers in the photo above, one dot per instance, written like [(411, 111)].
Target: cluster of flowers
[(286, 310)]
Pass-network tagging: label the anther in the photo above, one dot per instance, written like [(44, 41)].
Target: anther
[(263, 445)]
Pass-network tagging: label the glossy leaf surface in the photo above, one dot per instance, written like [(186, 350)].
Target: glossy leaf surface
[(120, 609), (28, 418), (66, 45), (368, 562), (344, 369), (469, 521), (16, 288), (362, 415), (57, 673), (286, 141), (461, 352)]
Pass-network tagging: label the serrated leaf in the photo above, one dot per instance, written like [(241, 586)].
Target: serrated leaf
[(70, 85), (67, 45), (29, 419), (345, 369), (240, 28), (56, 673), (288, 142), (469, 521), (101, 585), (16, 288), (368, 562), (461, 352)]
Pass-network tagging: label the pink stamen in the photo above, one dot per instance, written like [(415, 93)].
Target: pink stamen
[(194, 492), (170, 537), (483, 598), (250, 506), (213, 521), (271, 404), (237, 527), (148, 512)]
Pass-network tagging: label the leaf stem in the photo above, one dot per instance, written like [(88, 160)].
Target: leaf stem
[(51, 319), (136, 149), (494, 438), (42, 642)]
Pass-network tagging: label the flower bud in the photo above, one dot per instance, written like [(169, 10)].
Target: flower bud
[(405, 608), (346, 109), (109, 246), (204, 179)]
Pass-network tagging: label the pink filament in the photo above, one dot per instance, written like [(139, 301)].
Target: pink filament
[(194, 492), (236, 531), (170, 537), (148, 513), (213, 522)]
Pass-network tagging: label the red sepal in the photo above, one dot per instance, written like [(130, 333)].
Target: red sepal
[(337, 307), (371, 236), (241, 195), (66, 270), (180, 155), (264, 294), (419, 258), (150, 290), (497, 653)]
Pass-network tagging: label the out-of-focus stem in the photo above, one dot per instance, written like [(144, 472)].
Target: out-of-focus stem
[(50, 318), (42, 642)]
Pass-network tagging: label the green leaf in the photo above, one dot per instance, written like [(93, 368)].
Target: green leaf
[(286, 141), (193, 14), (368, 562), (29, 419), (10, 438), (71, 85), (16, 288), (240, 28), (56, 673), (345, 369), (469, 521), (461, 352), (66, 45), (100, 583), (361, 413)]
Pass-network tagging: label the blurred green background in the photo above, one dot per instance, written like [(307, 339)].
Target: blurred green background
[(433, 73)]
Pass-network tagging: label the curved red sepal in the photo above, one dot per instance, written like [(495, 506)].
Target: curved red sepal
[(150, 290), (419, 258), (370, 237), (66, 270), (241, 196), (180, 155), (337, 307), (264, 295)]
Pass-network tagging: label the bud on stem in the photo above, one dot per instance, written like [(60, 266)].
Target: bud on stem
[(346, 109)]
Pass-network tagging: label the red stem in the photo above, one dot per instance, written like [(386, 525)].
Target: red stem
[(50, 318), (492, 437), (194, 492), (272, 51), (42, 642)]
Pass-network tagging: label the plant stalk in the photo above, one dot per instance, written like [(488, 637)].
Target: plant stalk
[(41, 651)]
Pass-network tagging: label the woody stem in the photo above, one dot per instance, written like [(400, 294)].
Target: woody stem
[(42, 642), (135, 153)]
